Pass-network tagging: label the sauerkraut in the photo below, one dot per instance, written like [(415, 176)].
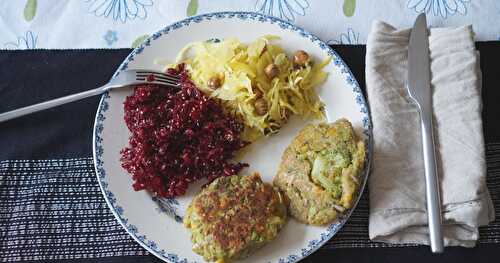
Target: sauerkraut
[(240, 71)]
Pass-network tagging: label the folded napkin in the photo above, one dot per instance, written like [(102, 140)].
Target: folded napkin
[(397, 183)]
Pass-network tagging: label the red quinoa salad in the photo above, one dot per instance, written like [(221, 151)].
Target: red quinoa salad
[(178, 136)]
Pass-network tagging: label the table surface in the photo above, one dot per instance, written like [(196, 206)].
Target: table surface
[(43, 135)]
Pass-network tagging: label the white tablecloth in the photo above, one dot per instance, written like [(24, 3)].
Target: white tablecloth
[(63, 24)]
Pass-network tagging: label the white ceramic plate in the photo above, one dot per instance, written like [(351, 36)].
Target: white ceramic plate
[(141, 215)]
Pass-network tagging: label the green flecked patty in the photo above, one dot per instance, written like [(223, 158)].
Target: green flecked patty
[(234, 216), (319, 171)]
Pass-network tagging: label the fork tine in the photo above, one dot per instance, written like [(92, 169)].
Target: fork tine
[(142, 71), (149, 78), (168, 84), (156, 80), (154, 77), (166, 77), (157, 74)]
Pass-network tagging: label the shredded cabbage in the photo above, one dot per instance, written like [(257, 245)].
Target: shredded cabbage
[(242, 70)]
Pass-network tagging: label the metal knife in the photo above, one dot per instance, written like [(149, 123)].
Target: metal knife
[(419, 89)]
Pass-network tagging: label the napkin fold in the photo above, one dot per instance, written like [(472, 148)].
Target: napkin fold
[(397, 183)]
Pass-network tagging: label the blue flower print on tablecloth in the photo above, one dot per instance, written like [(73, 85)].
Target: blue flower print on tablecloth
[(110, 37), (348, 38), (284, 9), (27, 41), (441, 8), (120, 10)]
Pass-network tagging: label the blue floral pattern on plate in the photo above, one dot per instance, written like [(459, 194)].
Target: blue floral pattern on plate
[(118, 211), (169, 207), (120, 10), (441, 8), (284, 9)]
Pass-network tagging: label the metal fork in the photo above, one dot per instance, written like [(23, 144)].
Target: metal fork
[(123, 79)]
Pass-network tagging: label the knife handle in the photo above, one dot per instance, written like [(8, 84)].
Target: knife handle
[(431, 184)]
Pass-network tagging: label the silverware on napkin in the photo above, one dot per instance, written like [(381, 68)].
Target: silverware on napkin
[(124, 79), (419, 89)]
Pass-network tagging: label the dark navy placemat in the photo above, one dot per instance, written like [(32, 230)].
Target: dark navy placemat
[(51, 208)]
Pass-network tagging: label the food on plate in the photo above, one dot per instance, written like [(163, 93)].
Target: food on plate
[(319, 171), (300, 57), (258, 83), (233, 216), (178, 136)]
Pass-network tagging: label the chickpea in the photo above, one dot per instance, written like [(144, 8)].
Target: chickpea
[(271, 71), (257, 92), (300, 57), (214, 82), (260, 106)]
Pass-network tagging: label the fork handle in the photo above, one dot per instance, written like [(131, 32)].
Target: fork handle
[(431, 184), (50, 104)]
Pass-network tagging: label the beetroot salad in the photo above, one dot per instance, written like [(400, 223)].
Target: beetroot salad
[(178, 136)]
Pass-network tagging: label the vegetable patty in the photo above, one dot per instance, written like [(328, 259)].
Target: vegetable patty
[(319, 171), (234, 216)]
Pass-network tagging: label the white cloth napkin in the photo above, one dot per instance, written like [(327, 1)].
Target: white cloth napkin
[(396, 184)]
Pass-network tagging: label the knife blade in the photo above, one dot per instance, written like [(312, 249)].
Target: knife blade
[(419, 90)]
